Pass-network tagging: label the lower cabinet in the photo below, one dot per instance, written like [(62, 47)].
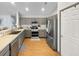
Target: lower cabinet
[(5, 51), (28, 33), (17, 43), (14, 48), (42, 33), (21, 38), (20, 41)]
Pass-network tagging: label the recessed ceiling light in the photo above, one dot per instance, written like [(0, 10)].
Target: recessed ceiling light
[(27, 9), (42, 9), (13, 3)]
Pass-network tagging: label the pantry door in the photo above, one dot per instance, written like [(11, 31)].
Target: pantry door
[(70, 31)]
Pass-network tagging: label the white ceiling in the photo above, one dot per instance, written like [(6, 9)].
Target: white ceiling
[(6, 8)]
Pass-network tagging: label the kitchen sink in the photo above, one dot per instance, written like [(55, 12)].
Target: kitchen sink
[(15, 32)]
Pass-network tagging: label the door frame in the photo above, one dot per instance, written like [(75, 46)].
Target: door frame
[(73, 5)]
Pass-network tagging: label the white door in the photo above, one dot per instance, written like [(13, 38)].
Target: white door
[(70, 31)]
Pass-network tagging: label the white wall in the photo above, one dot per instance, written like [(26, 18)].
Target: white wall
[(53, 13), (62, 5)]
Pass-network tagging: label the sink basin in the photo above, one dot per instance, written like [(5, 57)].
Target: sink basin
[(15, 32)]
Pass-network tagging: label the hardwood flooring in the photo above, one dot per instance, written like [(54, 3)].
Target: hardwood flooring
[(36, 48)]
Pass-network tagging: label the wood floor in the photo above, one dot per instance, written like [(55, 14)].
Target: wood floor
[(36, 48)]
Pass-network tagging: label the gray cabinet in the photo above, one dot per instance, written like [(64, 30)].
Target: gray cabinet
[(21, 38), (42, 33), (5, 51), (14, 47), (17, 43), (28, 33)]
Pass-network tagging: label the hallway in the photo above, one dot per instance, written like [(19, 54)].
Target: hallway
[(36, 48)]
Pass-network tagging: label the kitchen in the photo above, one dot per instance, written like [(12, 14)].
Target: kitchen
[(39, 28), (21, 22)]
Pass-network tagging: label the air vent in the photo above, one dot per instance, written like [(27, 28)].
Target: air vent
[(45, 3)]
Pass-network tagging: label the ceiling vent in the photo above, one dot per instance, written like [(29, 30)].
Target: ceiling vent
[(45, 3)]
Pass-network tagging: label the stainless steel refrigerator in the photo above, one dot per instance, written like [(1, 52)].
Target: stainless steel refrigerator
[(51, 25)]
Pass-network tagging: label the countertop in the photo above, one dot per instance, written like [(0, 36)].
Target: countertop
[(7, 39), (27, 27)]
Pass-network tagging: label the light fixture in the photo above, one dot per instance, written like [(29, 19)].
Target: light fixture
[(13, 3), (43, 9), (27, 9)]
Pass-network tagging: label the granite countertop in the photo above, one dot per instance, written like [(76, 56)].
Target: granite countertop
[(7, 39)]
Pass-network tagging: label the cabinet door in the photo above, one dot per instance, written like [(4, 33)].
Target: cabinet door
[(21, 38), (5, 51), (14, 48), (28, 33), (42, 33)]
